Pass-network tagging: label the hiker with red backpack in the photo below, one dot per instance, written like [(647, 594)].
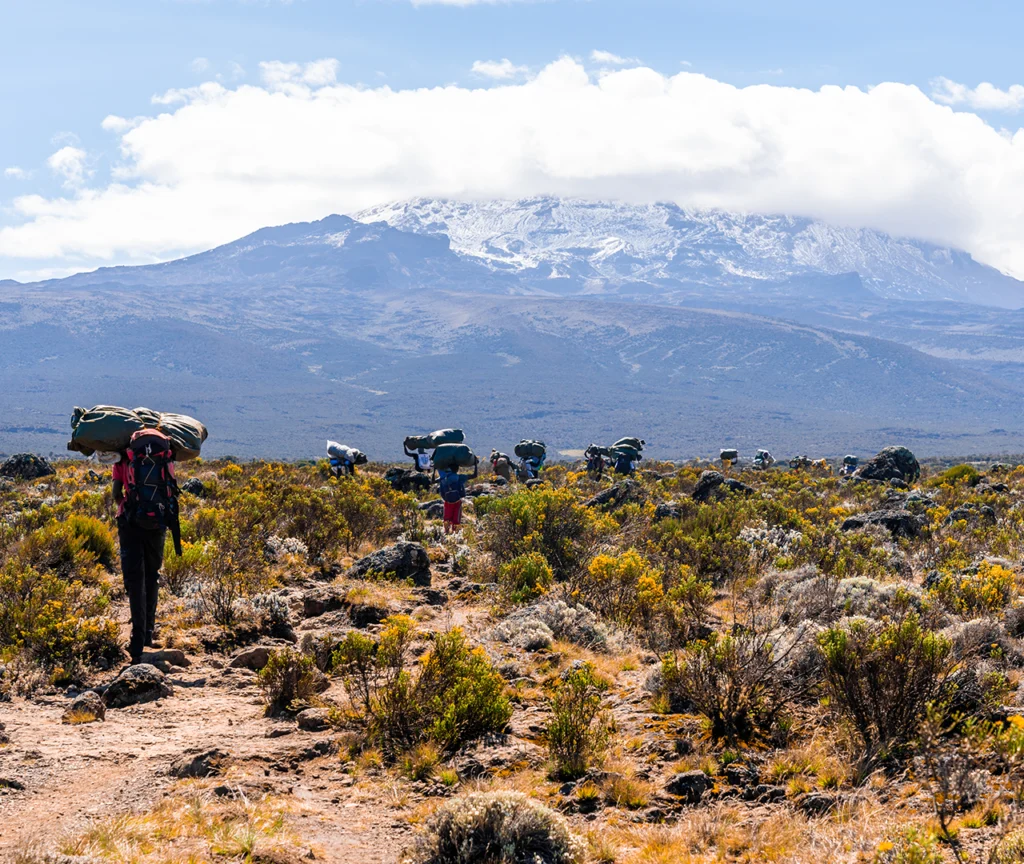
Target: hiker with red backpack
[(147, 497)]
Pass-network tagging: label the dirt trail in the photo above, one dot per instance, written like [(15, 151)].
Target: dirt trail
[(74, 775)]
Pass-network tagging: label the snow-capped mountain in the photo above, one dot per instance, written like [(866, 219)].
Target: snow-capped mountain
[(574, 246)]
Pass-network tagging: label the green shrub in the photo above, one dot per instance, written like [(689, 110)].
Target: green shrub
[(991, 589), (958, 475), (290, 681), (882, 676), (735, 681), (181, 570), (454, 696), (524, 578), (58, 624), (496, 828), (577, 733), (60, 548), (550, 522), (95, 536)]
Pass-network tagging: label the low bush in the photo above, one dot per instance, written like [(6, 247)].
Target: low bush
[(963, 475), (290, 682), (737, 682), (496, 828), (882, 675), (989, 589), (577, 733), (60, 625), (71, 549), (525, 578), (452, 695)]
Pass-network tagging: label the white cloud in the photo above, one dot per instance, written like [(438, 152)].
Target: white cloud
[(69, 164), (199, 65), (499, 69), (220, 162), (984, 97), (283, 76), (609, 59), (16, 173)]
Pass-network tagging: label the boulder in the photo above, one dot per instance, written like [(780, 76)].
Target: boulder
[(668, 510), (690, 785), (194, 486), (401, 562), (817, 803), (253, 658), (891, 463), (312, 719), (765, 793), (617, 495), (407, 480), (26, 466), (199, 763), (318, 601), (173, 656), (137, 684), (433, 509), (707, 486), (87, 707), (900, 523)]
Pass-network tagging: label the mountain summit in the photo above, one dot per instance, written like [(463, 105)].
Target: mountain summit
[(573, 246)]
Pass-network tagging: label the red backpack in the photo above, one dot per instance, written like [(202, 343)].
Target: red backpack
[(151, 491)]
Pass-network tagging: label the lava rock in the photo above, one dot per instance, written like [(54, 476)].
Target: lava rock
[(312, 719), (87, 707), (26, 466), (891, 463), (253, 658), (669, 510), (199, 763), (900, 523), (765, 793), (407, 480), (690, 785), (707, 486), (433, 509), (817, 803), (137, 684), (173, 656), (973, 514), (401, 562), (194, 486), (617, 495), (318, 601)]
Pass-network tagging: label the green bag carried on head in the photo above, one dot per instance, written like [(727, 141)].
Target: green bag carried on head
[(109, 429), (635, 443), (451, 457), (531, 449), (435, 439)]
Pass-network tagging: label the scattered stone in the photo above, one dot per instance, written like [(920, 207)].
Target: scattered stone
[(194, 486), (973, 514), (402, 561), (407, 480), (668, 510), (431, 596), (26, 466), (741, 775), (11, 783), (690, 785), (319, 601), (817, 803), (312, 720), (87, 707), (714, 484), (495, 753), (4, 737), (174, 656), (433, 509), (900, 523), (253, 658), (365, 615), (891, 463), (615, 496), (137, 684), (765, 793), (199, 763)]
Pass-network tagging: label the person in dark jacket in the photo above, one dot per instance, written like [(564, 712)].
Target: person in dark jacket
[(624, 465), (142, 556), (452, 486), (595, 462)]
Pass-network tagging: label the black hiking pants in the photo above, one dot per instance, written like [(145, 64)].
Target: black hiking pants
[(142, 556)]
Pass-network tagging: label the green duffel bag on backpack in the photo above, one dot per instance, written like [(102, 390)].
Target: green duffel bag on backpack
[(631, 453), (451, 457), (531, 449), (186, 433), (104, 429), (435, 439), (635, 443)]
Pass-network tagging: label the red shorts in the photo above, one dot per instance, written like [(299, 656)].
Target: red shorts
[(453, 512)]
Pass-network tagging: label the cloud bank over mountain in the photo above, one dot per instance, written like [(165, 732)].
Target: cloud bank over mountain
[(214, 162)]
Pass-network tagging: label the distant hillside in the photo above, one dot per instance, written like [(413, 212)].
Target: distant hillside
[(368, 332)]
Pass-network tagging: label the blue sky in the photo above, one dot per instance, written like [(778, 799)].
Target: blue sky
[(67, 65)]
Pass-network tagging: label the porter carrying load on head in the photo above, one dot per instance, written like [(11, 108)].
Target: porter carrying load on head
[(531, 455), (434, 440), (451, 457), (343, 458), (109, 429)]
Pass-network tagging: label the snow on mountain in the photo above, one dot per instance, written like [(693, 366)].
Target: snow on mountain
[(607, 245)]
